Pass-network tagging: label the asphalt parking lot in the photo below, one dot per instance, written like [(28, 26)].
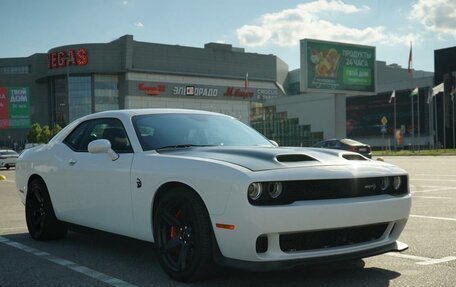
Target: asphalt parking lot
[(83, 259)]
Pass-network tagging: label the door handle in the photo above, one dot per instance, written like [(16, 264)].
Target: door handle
[(72, 162)]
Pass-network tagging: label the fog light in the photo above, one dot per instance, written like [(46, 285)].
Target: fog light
[(275, 189), (384, 183), (397, 182), (254, 191)]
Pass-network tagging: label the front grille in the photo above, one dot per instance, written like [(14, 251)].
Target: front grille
[(331, 189), (312, 240)]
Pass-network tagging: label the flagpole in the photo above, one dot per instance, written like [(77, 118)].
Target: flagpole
[(410, 67), (452, 101), (394, 130), (418, 115), (444, 126), (436, 122), (413, 118)]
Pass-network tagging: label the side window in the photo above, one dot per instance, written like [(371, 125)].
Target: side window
[(75, 138), (109, 128), (333, 144), (114, 131)]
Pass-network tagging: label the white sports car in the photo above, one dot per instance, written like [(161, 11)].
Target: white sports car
[(208, 189)]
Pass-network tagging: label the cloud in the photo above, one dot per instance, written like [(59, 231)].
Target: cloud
[(438, 16), (139, 25), (287, 27), (125, 2)]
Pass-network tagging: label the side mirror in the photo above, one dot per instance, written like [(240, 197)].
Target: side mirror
[(102, 146), (274, 143)]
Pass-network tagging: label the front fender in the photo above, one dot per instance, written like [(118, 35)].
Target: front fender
[(214, 182)]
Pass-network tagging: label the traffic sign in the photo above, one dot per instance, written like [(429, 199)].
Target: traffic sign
[(384, 121)]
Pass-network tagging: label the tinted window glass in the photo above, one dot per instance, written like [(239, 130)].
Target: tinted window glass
[(110, 129), (163, 130)]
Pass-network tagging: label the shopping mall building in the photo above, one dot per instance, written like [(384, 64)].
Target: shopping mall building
[(296, 108)]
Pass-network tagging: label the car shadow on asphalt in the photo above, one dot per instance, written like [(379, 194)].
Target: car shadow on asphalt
[(136, 262)]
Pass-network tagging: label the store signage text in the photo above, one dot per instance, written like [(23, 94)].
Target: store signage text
[(19, 96), (241, 93), (195, 91), (152, 90), (72, 57)]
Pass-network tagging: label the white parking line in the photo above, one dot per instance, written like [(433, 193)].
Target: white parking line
[(432, 188), (432, 179), (434, 175), (407, 256), (423, 260), (433, 217), (432, 197), (68, 264), (437, 261)]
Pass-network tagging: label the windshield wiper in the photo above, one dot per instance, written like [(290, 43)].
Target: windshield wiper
[(182, 146)]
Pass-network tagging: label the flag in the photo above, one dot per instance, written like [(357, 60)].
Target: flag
[(393, 95), (414, 92), (410, 62), (246, 83), (429, 99), (437, 89)]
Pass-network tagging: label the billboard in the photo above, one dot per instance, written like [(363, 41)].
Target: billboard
[(14, 107), (337, 67)]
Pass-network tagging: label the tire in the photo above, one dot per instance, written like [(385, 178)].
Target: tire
[(39, 213), (183, 236)]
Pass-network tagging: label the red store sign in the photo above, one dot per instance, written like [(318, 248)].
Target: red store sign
[(152, 90), (73, 57), (235, 92)]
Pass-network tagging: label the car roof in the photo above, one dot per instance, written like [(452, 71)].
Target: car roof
[(146, 111), (351, 142)]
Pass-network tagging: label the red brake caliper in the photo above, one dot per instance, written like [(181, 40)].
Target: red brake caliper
[(173, 229)]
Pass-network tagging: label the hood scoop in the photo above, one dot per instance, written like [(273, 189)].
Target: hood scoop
[(349, 156), (294, 158)]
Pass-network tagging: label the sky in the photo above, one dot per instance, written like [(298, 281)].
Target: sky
[(258, 26)]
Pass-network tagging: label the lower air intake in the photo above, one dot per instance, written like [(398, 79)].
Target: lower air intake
[(312, 240)]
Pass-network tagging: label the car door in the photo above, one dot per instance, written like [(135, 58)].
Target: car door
[(97, 189)]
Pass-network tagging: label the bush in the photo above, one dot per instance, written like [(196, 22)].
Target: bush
[(38, 134)]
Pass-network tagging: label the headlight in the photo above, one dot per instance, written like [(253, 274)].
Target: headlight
[(274, 189), (254, 191), (397, 182), (384, 183)]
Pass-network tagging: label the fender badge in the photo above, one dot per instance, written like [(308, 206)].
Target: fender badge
[(138, 183)]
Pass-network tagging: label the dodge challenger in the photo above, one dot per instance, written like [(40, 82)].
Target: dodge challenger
[(209, 190)]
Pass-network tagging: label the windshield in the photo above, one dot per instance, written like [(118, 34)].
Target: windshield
[(182, 130)]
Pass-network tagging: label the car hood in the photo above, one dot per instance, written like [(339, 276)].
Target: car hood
[(267, 158)]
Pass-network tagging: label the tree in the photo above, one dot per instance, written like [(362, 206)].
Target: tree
[(45, 135), (56, 129), (38, 134), (34, 133)]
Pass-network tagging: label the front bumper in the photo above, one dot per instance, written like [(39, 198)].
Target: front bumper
[(264, 266), (251, 222)]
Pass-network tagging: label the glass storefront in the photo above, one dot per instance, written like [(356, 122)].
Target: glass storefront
[(61, 101), (279, 127), (80, 98), (84, 98), (364, 114), (106, 92)]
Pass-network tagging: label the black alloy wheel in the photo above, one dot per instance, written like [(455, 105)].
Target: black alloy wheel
[(39, 213), (183, 235)]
